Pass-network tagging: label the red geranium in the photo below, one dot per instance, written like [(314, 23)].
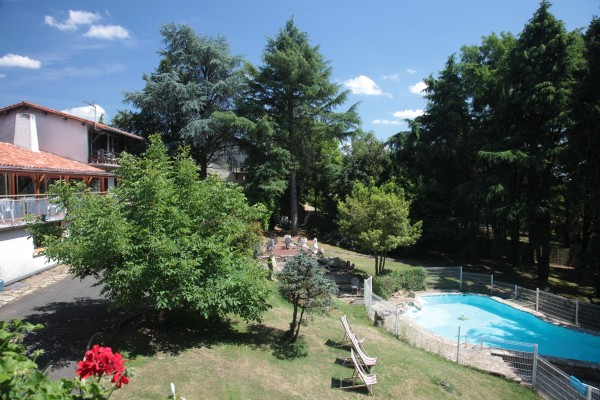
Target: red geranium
[(101, 360)]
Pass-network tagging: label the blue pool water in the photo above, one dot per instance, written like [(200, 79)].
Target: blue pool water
[(480, 315)]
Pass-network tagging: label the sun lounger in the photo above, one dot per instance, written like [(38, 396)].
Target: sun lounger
[(348, 330), (366, 379)]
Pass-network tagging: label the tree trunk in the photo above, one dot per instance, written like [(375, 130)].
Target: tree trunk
[(376, 264), (297, 332), (515, 242), (544, 261), (294, 322), (293, 203), (586, 230)]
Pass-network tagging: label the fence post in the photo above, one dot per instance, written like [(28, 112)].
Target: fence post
[(396, 322), (492, 284), (534, 366), (576, 312), (537, 299), (458, 345), (460, 280), (516, 291)]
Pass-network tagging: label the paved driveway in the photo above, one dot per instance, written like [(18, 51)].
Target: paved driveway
[(71, 311)]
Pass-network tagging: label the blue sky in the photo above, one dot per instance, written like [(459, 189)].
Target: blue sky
[(64, 54)]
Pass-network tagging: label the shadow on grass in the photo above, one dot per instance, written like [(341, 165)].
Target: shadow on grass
[(348, 383), (145, 336)]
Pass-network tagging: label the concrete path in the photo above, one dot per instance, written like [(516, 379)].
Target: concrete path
[(70, 309)]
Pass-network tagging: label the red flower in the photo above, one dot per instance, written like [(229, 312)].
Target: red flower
[(119, 378), (101, 360)]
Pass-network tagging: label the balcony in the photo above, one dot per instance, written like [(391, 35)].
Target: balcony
[(18, 210), (103, 157)]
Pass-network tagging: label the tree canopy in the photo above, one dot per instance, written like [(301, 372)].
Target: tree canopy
[(293, 91), (166, 238), (376, 219), (190, 97)]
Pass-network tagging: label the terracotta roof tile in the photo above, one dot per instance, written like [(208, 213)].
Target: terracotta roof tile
[(13, 157)]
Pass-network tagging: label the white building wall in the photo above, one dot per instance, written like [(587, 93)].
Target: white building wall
[(66, 138), (7, 128), (16, 256)]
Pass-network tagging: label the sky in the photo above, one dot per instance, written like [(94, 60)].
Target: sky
[(67, 55)]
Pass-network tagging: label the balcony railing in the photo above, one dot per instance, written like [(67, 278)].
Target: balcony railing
[(103, 157), (17, 210)]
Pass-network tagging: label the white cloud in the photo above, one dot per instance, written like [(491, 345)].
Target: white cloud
[(411, 71), (362, 84), (386, 122), (87, 112), (108, 32), (2, 76), (394, 77), (76, 18), (17, 61), (408, 114), (418, 88)]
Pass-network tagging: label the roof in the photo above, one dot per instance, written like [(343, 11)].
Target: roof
[(17, 158), (26, 104)]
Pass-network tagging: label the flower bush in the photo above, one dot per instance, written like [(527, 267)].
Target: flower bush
[(101, 361), (99, 374)]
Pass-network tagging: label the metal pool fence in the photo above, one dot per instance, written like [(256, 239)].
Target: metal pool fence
[(583, 315), (514, 360)]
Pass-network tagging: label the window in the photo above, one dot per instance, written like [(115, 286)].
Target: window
[(25, 185), (3, 185)]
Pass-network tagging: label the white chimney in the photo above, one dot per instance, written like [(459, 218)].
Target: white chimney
[(26, 132)]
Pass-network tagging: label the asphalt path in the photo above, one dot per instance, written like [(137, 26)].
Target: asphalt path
[(72, 311)]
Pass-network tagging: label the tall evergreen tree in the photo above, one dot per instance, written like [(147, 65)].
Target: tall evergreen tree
[(542, 73), (584, 155), (190, 98), (293, 90)]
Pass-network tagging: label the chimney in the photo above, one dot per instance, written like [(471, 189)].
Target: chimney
[(26, 132)]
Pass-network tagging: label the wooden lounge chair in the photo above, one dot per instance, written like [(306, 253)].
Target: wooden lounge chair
[(368, 362), (366, 379), (348, 330)]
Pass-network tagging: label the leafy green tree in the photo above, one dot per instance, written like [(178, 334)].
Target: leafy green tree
[(304, 283), (376, 219), (294, 92), (190, 98), (364, 159), (167, 238)]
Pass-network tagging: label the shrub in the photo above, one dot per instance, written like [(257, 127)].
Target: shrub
[(406, 279)]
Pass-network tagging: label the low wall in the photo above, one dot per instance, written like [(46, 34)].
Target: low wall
[(17, 260)]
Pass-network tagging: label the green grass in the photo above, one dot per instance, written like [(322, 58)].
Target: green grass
[(250, 361)]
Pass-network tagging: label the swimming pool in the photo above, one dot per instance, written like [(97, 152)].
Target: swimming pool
[(481, 315)]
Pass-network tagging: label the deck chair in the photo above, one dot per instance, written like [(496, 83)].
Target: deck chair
[(348, 330), (368, 362), (366, 379)]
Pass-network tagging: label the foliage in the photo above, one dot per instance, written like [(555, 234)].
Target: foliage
[(294, 94), (304, 283), (376, 218), (165, 237), (406, 279), (21, 378), (190, 97)]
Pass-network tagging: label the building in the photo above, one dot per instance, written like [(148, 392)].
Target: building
[(38, 146)]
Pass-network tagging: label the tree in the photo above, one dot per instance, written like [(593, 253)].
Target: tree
[(166, 238), (583, 157), (304, 284), (376, 219), (293, 90), (364, 159), (190, 98), (542, 72)]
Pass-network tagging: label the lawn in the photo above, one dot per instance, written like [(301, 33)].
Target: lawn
[(250, 361)]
